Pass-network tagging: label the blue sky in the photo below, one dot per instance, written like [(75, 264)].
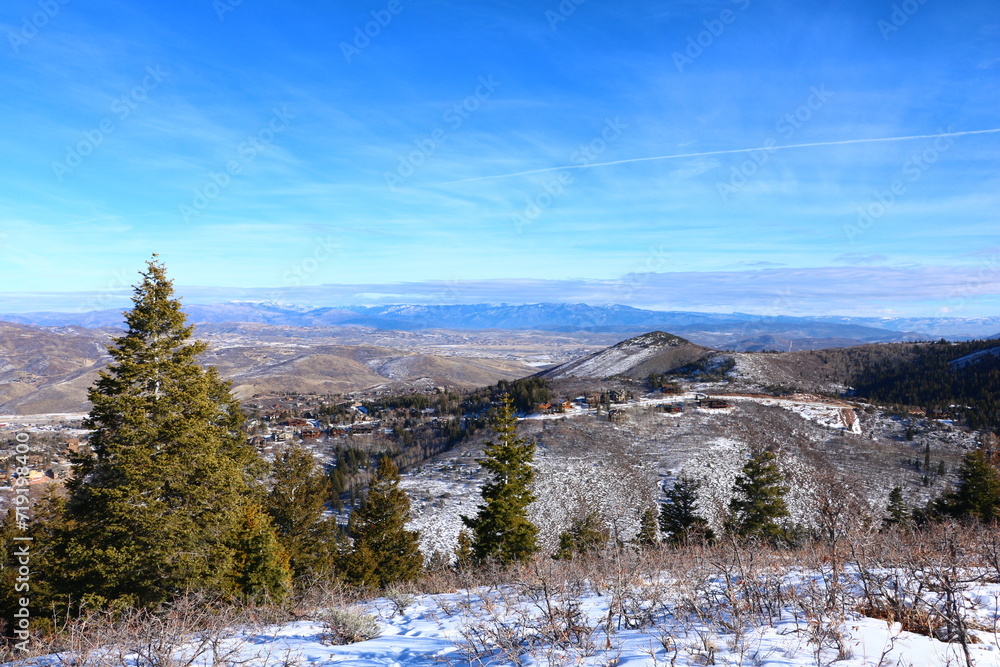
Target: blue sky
[(266, 150)]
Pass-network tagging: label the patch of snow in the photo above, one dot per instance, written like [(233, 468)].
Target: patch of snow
[(433, 630), (961, 362)]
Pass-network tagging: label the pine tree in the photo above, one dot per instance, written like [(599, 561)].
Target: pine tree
[(47, 513), (648, 530), (897, 512), (464, 555), (977, 495), (9, 594), (384, 550), (679, 519), (296, 504), (338, 485), (758, 500), (262, 567), (565, 549), (585, 535), (501, 530), (161, 503)]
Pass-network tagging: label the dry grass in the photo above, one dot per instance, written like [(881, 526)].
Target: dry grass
[(690, 598)]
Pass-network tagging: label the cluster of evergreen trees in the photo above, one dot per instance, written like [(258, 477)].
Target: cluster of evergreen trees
[(975, 498), (757, 509), (415, 438), (172, 498), (524, 394)]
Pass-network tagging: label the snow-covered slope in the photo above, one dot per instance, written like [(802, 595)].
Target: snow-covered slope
[(654, 352), (974, 357)]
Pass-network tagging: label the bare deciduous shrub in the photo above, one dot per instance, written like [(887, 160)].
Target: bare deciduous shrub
[(193, 629), (991, 554), (312, 598), (922, 580), (495, 629), (348, 625), (399, 597)]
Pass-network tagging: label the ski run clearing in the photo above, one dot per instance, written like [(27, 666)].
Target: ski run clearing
[(655, 624)]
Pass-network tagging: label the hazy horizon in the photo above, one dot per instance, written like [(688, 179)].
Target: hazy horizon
[(503, 293)]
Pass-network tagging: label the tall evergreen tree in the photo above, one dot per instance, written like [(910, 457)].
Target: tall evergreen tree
[(501, 530), (679, 519), (160, 505), (297, 503), (464, 554), (977, 495), (758, 501), (384, 550)]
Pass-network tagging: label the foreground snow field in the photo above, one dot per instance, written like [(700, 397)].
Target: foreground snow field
[(760, 621)]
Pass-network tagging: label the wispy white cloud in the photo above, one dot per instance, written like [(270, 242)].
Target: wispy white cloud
[(755, 149)]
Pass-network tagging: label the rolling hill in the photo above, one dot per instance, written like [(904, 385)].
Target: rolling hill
[(654, 352), (48, 370)]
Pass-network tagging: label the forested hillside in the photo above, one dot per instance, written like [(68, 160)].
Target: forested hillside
[(956, 379)]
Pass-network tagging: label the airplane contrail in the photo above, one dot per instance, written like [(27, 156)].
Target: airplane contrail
[(723, 152)]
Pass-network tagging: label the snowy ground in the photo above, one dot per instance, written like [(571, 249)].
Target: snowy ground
[(441, 492), (525, 625), (588, 464), (829, 413)]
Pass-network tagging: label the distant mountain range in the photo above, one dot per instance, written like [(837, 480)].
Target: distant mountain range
[(730, 331)]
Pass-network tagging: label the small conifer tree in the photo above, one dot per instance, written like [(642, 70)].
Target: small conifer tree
[(384, 550), (897, 513), (262, 567), (46, 571), (464, 554), (648, 529), (501, 530), (585, 535), (758, 501), (297, 504), (977, 495), (679, 519)]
